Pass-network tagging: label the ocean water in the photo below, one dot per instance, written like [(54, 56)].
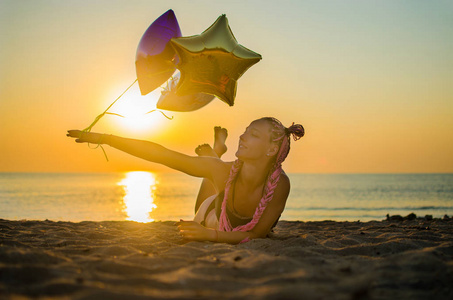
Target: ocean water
[(145, 196)]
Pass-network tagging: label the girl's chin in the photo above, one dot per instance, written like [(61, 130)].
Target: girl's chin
[(239, 155)]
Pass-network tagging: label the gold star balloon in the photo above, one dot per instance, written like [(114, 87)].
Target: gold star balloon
[(212, 62), (170, 101)]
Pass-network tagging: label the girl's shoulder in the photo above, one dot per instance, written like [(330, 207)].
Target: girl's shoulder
[(226, 166), (284, 177), (221, 175), (284, 183)]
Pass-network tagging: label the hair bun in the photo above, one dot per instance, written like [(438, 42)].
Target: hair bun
[(296, 131)]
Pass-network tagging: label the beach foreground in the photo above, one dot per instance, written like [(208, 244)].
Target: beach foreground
[(393, 259)]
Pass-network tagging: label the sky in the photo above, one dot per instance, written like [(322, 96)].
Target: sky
[(370, 81)]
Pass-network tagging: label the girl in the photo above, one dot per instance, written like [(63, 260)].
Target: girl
[(250, 193)]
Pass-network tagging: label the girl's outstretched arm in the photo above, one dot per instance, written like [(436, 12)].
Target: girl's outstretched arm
[(207, 167)]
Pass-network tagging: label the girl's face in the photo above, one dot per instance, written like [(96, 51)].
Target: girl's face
[(255, 143)]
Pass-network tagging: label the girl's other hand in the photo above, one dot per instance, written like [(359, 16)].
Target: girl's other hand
[(193, 231)]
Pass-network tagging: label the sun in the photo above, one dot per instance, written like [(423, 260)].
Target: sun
[(136, 116)]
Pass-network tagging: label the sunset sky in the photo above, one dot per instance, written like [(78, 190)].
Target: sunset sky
[(371, 82)]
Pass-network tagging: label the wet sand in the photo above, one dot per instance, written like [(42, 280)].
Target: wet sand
[(391, 259)]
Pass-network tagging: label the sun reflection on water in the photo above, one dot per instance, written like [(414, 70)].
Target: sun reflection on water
[(139, 188)]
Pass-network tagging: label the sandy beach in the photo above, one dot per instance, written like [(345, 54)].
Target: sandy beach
[(390, 259)]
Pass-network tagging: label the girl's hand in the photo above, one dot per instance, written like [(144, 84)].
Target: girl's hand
[(87, 137), (193, 231)]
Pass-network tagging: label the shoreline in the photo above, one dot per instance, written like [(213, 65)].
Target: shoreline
[(389, 259)]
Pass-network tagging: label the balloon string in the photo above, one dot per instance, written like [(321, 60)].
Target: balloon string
[(102, 148), (170, 118), (88, 129)]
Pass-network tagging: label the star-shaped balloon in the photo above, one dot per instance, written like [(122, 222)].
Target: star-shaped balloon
[(212, 62), (170, 101), (156, 59)]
